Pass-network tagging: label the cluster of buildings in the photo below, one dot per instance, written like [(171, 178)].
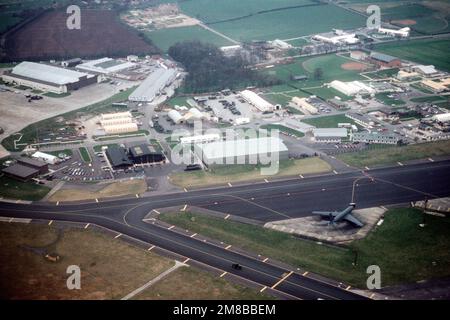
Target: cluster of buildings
[(117, 123), (153, 86), (121, 158), (351, 88), (193, 114), (337, 37)]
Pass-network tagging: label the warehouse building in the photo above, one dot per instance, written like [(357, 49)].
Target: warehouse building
[(361, 120), (153, 85), (41, 166), (351, 88), (106, 66), (118, 158), (256, 101), (144, 154), (375, 137), (117, 123), (121, 128), (47, 158), (304, 105), (47, 78), (384, 60), (20, 172), (405, 75), (71, 63), (116, 115), (205, 138), (358, 55), (244, 151), (429, 70), (330, 135)]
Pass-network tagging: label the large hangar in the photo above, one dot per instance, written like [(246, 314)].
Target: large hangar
[(49, 78), (153, 85), (243, 151)]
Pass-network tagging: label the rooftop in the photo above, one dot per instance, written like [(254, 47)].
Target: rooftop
[(118, 157), (47, 73), (382, 57), (20, 171)]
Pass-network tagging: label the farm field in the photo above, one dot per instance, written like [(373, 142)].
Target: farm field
[(48, 36), (165, 38), (427, 52), (290, 23)]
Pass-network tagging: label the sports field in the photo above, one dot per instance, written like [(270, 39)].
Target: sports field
[(165, 38), (427, 52), (330, 64)]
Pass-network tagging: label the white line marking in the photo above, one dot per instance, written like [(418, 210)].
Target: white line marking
[(117, 236), (185, 190), (171, 227), (305, 273), (301, 176), (367, 168), (57, 203), (96, 200), (431, 160), (228, 247), (184, 208), (263, 289), (50, 223), (87, 226), (267, 181), (400, 164), (265, 259), (229, 184), (348, 288), (193, 235), (372, 295), (335, 172), (185, 261), (227, 216), (282, 279), (151, 248), (156, 211), (223, 274)]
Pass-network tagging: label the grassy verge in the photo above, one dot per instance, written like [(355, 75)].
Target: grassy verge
[(98, 148), (67, 152), (394, 154), (281, 128), (328, 121), (13, 189), (202, 286), (85, 154), (57, 95), (402, 249), (115, 189), (110, 268), (240, 173)]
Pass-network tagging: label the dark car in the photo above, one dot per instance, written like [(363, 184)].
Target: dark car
[(236, 266)]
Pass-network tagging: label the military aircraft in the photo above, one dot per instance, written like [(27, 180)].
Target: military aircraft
[(336, 216)]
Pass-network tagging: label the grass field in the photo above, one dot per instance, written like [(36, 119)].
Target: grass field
[(427, 52), (98, 148), (392, 155), (402, 249), (165, 38), (115, 189), (240, 173), (67, 152), (193, 284), (330, 65), (57, 95), (281, 128), (383, 97), (290, 23), (328, 121), (85, 154), (13, 189)]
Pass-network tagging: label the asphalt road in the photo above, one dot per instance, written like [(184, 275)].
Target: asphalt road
[(263, 202)]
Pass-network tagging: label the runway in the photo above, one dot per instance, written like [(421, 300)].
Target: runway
[(264, 202)]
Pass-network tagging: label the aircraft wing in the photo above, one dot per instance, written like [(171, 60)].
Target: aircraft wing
[(352, 219), (324, 213)]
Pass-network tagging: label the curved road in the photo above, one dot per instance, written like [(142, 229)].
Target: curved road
[(263, 202)]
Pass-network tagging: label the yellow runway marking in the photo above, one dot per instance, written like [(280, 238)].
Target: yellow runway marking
[(228, 247), (223, 274), (263, 289), (282, 279), (50, 223)]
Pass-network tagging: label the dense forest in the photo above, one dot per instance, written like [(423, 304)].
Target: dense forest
[(209, 70)]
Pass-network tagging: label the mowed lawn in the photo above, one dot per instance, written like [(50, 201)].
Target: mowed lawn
[(427, 52), (165, 38), (329, 63), (328, 121), (391, 155), (13, 189), (404, 251), (290, 23), (242, 173)]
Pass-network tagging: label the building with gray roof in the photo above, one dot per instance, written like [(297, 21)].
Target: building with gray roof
[(153, 85)]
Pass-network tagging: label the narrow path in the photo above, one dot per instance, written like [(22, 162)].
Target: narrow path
[(218, 33)]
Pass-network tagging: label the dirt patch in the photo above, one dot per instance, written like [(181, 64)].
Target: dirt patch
[(48, 36), (404, 22), (356, 66), (86, 192)]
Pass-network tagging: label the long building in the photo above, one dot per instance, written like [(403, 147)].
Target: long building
[(375, 137), (153, 85), (48, 78), (244, 151), (303, 104), (330, 135), (106, 66), (351, 88), (256, 101)]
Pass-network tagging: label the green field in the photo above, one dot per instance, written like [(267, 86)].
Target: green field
[(427, 52), (289, 23), (67, 152), (402, 249), (431, 99), (391, 155), (383, 97), (330, 65), (85, 154), (281, 128), (165, 38), (13, 189), (328, 121), (57, 95)]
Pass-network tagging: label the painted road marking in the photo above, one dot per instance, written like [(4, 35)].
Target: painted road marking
[(282, 279), (11, 220), (57, 203), (185, 190), (399, 163), (265, 259), (383, 207), (96, 200), (185, 261), (372, 295), (305, 273), (301, 176), (267, 181), (50, 223), (171, 227), (228, 247), (137, 196), (348, 288), (227, 216), (431, 160), (117, 236), (263, 289), (335, 172), (87, 225), (288, 194), (367, 168), (229, 184), (151, 248), (156, 211), (223, 274), (184, 208), (193, 235)]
